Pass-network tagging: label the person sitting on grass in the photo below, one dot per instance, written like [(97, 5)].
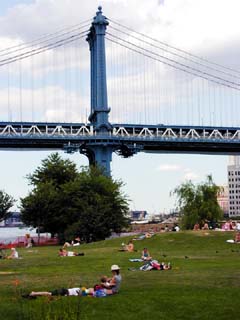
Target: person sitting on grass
[(66, 245), (14, 254), (128, 247), (110, 285), (76, 242), (146, 255), (237, 238)]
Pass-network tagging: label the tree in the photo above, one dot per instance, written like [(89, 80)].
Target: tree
[(198, 203), (97, 206), (40, 210), (41, 207), (53, 169), (71, 203), (6, 202)]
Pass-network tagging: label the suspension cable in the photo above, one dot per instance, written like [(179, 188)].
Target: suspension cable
[(171, 63), (50, 46), (174, 53), (175, 48), (40, 40)]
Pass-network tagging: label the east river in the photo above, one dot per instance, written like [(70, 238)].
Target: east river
[(10, 234)]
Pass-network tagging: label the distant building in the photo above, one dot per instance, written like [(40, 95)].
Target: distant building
[(14, 220), (234, 185), (137, 215), (223, 199)]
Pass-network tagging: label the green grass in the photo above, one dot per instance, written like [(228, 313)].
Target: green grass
[(205, 285)]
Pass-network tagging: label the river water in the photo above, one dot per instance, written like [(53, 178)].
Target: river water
[(11, 234)]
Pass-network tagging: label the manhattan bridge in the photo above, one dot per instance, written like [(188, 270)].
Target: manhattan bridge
[(144, 95)]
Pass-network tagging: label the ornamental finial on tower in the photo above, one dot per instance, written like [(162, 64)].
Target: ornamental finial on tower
[(100, 18)]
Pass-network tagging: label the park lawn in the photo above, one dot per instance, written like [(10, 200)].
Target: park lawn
[(204, 282)]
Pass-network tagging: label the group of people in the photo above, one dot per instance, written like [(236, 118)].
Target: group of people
[(143, 236), (149, 263), (226, 226), (107, 286), (197, 227)]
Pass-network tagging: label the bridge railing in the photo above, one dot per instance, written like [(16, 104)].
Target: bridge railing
[(124, 132)]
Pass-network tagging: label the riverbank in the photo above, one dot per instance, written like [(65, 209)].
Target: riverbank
[(10, 234), (202, 284)]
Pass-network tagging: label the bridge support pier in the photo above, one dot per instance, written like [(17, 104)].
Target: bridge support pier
[(103, 158), (99, 155)]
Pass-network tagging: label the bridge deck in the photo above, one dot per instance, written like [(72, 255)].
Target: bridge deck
[(148, 138)]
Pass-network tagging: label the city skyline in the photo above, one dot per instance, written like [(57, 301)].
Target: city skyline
[(149, 178)]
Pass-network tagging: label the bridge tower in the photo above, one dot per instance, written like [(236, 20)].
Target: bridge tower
[(99, 153)]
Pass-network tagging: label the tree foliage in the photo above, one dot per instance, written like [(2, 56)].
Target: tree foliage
[(53, 169), (198, 203), (6, 202), (96, 205), (71, 203)]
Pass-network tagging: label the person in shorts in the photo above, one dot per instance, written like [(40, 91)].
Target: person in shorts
[(56, 292)]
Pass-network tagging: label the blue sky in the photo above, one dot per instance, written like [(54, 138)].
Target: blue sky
[(148, 178), (8, 4)]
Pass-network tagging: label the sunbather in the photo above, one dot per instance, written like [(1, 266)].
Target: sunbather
[(237, 237), (109, 286), (14, 254), (127, 247), (146, 255), (65, 253), (56, 292)]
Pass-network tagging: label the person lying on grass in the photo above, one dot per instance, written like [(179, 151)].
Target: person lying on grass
[(153, 265), (108, 287), (65, 253), (56, 292)]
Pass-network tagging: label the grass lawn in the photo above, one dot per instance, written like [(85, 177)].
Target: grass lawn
[(204, 282)]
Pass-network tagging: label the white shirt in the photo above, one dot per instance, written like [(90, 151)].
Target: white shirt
[(74, 291), (15, 254)]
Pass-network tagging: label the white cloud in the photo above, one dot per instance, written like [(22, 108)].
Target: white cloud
[(52, 104), (190, 175), (189, 24), (168, 167), (136, 88)]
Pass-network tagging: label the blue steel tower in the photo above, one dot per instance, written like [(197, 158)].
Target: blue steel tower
[(99, 153)]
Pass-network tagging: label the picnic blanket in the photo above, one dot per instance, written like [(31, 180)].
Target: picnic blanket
[(136, 260)]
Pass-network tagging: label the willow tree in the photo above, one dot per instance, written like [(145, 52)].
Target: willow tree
[(198, 203), (6, 202)]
